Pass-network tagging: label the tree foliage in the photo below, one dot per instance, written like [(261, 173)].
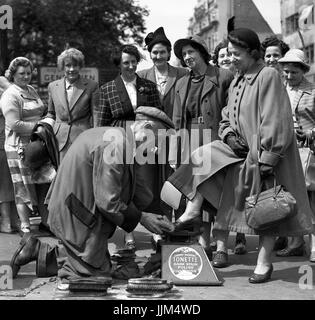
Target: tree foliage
[(47, 27)]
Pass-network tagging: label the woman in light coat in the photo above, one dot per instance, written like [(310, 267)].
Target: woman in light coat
[(71, 100), (22, 109), (257, 113)]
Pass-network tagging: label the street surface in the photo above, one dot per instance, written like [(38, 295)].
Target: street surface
[(284, 284)]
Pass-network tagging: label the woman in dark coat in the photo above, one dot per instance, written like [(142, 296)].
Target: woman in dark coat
[(200, 97), (165, 76), (258, 107)]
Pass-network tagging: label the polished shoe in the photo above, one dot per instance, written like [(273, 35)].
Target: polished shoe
[(189, 225), (281, 243), (261, 278), (288, 252), (26, 252), (220, 259), (312, 256)]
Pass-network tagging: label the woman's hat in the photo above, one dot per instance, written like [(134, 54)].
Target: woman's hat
[(199, 42), (154, 114), (158, 36), (295, 56), (246, 36)]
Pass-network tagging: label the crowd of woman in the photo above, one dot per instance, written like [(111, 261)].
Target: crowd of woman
[(246, 89)]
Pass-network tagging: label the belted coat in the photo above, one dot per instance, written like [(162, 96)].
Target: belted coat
[(259, 112)]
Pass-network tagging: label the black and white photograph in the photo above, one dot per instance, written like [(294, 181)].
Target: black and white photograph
[(155, 155)]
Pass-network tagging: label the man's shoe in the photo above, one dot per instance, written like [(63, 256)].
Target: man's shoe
[(281, 243), (26, 252), (287, 252), (260, 278), (312, 256), (220, 260)]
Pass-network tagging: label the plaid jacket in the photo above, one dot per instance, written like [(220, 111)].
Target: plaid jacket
[(114, 102)]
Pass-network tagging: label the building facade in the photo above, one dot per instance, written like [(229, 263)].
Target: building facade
[(298, 28), (211, 16)]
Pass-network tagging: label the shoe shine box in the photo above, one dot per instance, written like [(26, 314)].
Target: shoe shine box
[(187, 264)]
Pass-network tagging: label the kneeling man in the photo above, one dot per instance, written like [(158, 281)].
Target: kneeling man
[(97, 188)]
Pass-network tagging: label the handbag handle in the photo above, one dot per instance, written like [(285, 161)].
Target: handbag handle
[(260, 188)]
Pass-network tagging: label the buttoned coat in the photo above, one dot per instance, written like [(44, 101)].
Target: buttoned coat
[(259, 112), (304, 105), (90, 196), (74, 117), (213, 99), (304, 109), (114, 105), (167, 99)]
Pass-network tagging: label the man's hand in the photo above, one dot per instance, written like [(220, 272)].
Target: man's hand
[(154, 223), (238, 147)]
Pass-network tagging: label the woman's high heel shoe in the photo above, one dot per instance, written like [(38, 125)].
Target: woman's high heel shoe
[(188, 225), (260, 278)]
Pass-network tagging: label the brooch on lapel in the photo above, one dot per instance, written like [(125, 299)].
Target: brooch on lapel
[(144, 90)]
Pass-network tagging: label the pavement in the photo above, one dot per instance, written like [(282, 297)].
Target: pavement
[(292, 278)]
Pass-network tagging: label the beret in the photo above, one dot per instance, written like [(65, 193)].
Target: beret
[(247, 36), (155, 114)]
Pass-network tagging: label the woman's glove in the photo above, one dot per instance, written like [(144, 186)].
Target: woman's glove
[(238, 146), (300, 135), (265, 170)]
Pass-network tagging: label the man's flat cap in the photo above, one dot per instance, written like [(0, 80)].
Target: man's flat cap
[(154, 114)]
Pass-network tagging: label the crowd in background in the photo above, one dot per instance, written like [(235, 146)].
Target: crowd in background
[(244, 87)]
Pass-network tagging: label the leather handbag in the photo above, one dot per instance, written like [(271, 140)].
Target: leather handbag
[(269, 208), (308, 164)]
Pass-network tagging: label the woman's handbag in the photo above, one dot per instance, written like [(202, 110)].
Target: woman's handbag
[(308, 164), (269, 208)]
